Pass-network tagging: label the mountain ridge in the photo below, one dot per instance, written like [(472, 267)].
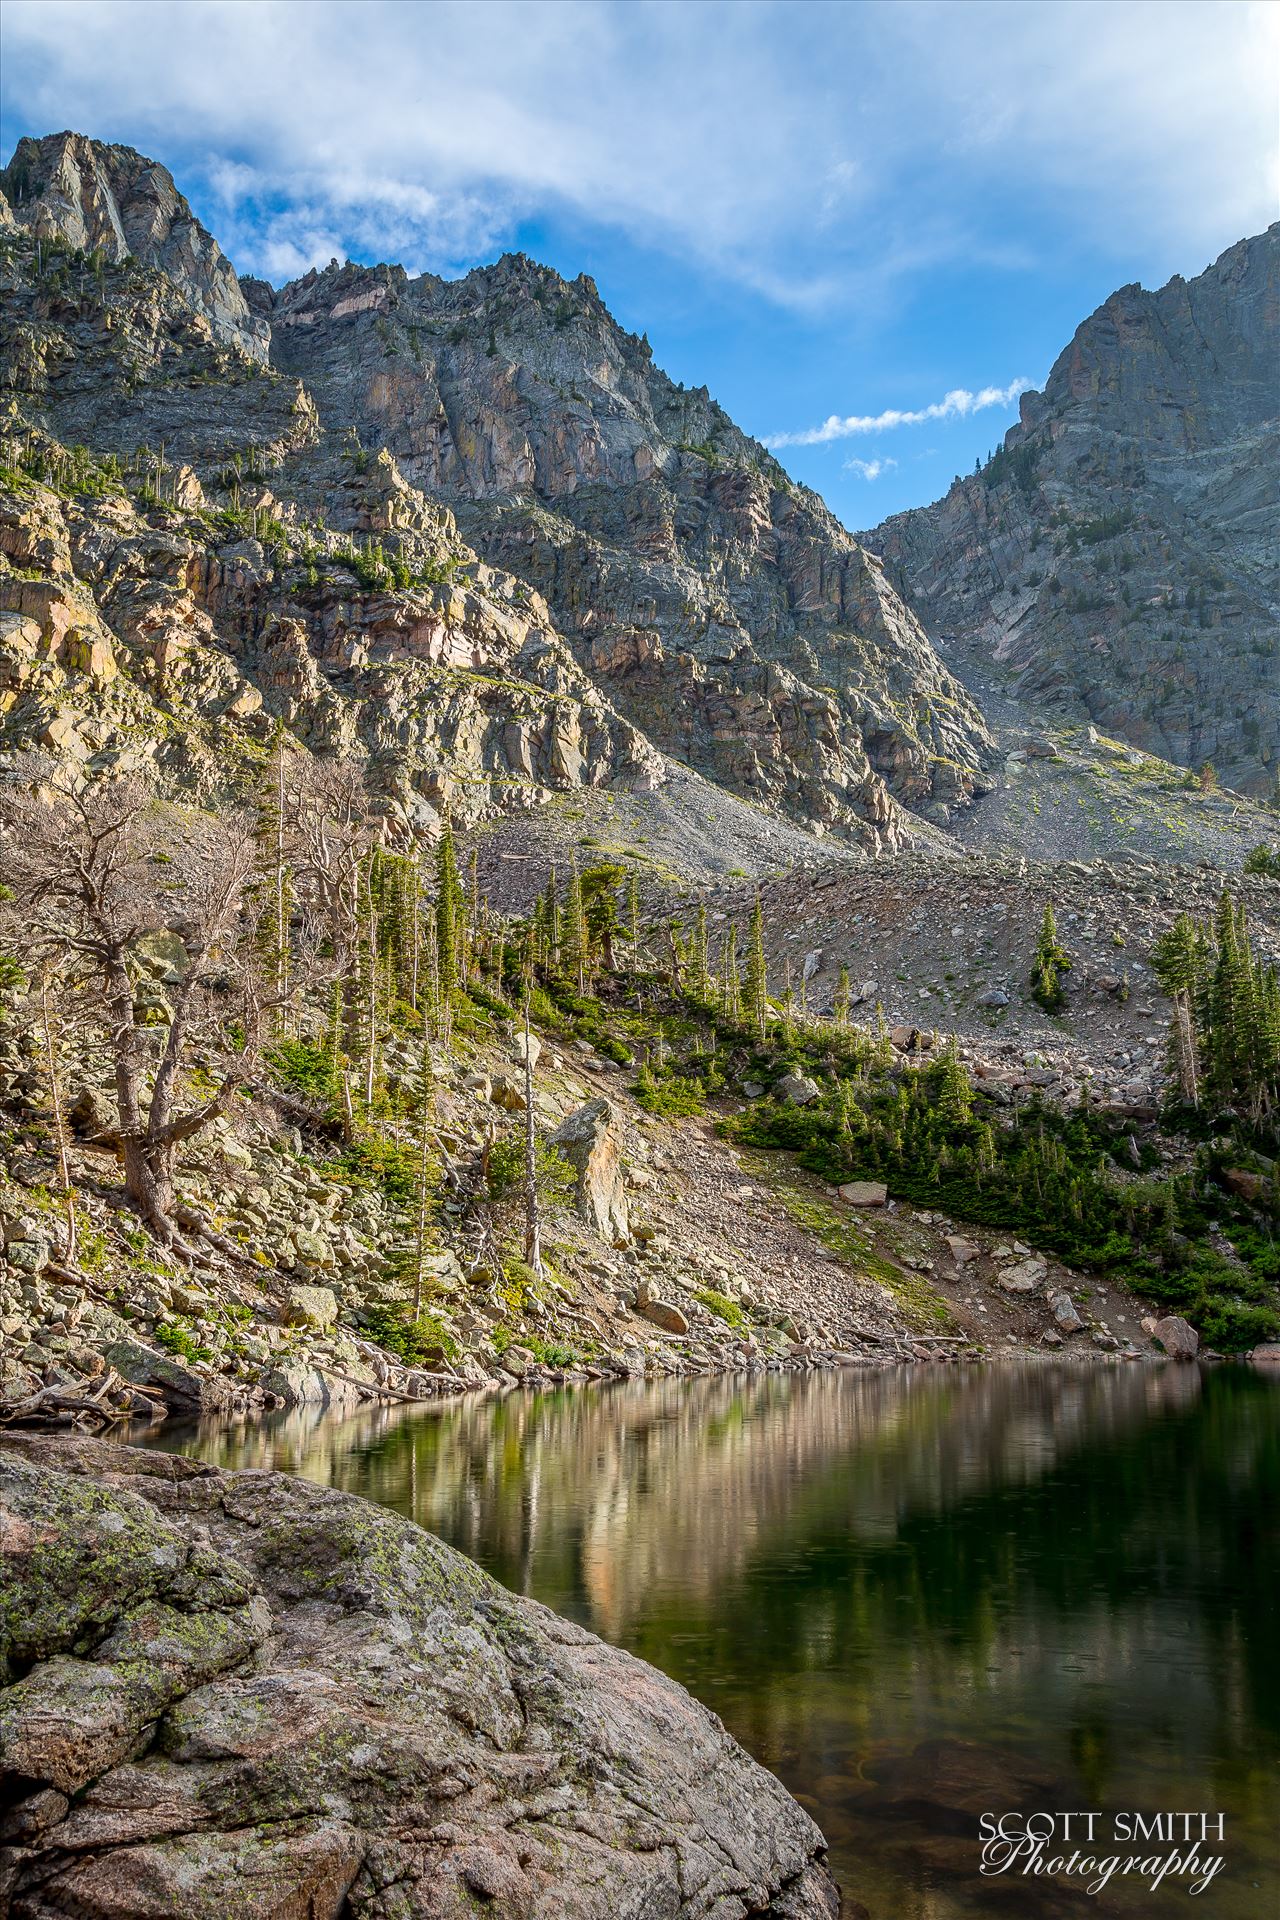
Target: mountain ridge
[(701, 606), (1131, 509), (718, 607)]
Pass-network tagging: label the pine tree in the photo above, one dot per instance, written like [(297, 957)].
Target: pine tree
[(424, 1171), (274, 888), (532, 1222), (843, 999), (699, 980), (731, 992), (952, 1093), (600, 885), (633, 914), (1051, 961), (574, 933), (756, 985), (448, 928)]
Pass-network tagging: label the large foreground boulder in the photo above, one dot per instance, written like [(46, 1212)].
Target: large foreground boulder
[(242, 1681)]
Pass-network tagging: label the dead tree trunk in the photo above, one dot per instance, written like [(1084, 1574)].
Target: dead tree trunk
[(65, 1182), (532, 1224)]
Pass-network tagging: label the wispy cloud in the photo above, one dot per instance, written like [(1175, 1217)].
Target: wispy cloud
[(870, 469), (957, 404), (434, 131)]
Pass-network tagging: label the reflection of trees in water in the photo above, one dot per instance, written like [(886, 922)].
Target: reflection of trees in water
[(1068, 1560), (608, 1497)]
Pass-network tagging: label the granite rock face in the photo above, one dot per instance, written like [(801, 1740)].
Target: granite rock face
[(721, 606), (1116, 560), (219, 1680), (646, 563), (109, 201)]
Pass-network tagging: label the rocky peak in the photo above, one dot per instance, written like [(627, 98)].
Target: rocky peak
[(718, 608), (112, 201), (1182, 367), (1115, 560)]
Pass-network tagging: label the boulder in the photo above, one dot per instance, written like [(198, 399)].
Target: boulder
[(661, 1312), (507, 1090), (962, 1251), (243, 1680), (89, 1113), (1024, 1277), (518, 1052), (314, 1250), (1063, 1309), (864, 1193), (590, 1139), (185, 1391), (795, 1089), (310, 1306), (1178, 1338), (1268, 1354), (993, 997)]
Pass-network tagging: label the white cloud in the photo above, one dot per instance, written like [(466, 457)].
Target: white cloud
[(816, 155), (870, 469), (957, 404)]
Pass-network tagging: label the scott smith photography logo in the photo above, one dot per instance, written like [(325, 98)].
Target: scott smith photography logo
[(1087, 1846)]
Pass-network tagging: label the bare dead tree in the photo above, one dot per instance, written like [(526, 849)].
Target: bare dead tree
[(51, 1025), (94, 871), (532, 1221)]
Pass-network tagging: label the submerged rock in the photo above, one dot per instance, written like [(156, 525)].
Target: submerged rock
[(245, 1680)]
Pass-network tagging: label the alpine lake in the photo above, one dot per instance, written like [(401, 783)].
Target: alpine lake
[(920, 1595)]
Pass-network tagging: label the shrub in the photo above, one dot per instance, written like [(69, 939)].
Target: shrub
[(176, 1337), (304, 1069), (724, 1309), (676, 1098), (376, 1161), (416, 1342)]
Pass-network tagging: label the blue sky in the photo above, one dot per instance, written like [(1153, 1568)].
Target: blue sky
[(823, 212)]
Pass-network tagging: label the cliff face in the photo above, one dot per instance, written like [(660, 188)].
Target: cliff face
[(723, 608), (1117, 558), (111, 202), (500, 433)]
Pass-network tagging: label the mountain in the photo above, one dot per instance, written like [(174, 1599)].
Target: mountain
[(1117, 559), (464, 528), (111, 202)]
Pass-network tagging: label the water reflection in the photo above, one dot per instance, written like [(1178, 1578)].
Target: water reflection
[(917, 1595)]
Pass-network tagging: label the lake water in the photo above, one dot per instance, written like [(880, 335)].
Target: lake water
[(918, 1595)]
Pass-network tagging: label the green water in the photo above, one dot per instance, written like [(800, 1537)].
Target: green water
[(917, 1595)]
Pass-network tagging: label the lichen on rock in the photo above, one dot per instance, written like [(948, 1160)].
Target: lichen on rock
[(244, 1680)]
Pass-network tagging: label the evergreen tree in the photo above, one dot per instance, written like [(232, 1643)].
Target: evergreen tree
[(699, 979), (633, 914), (273, 889), (731, 992), (1051, 961), (600, 885), (449, 913), (573, 940), (952, 1092), (756, 984), (843, 999)]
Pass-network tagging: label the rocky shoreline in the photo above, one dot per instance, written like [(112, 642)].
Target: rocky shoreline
[(218, 1678)]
